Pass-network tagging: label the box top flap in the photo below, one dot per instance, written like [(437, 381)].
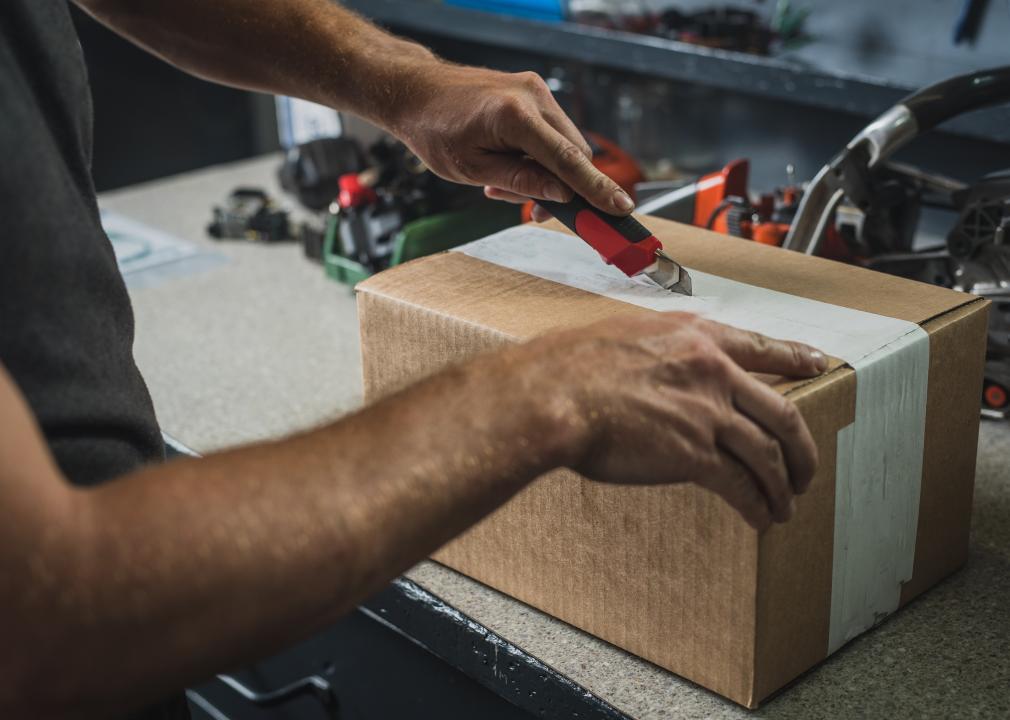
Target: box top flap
[(521, 305)]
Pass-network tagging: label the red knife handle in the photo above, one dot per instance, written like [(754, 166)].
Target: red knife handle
[(621, 241)]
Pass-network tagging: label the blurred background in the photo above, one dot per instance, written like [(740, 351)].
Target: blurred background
[(787, 83)]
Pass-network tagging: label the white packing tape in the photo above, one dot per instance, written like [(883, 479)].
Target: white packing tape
[(879, 466), (878, 476)]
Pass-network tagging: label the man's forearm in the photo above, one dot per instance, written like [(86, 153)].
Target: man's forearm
[(313, 49), (469, 125), (161, 577)]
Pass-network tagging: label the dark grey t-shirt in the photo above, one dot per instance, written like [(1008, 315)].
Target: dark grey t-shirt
[(66, 327)]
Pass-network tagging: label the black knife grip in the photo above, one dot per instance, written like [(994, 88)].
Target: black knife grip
[(627, 226)]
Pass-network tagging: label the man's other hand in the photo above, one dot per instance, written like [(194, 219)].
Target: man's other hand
[(667, 398), (504, 131)]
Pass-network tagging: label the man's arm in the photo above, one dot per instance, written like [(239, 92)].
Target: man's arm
[(470, 125), (160, 578), (111, 597)]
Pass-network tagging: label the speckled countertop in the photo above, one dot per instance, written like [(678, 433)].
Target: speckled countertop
[(263, 344)]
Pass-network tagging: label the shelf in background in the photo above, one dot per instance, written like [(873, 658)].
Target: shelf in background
[(789, 81)]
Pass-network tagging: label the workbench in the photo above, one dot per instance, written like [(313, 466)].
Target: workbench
[(259, 344)]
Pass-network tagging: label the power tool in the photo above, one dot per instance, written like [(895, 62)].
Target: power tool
[(864, 208)]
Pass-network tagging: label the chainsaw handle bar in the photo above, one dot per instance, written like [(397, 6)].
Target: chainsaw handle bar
[(958, 95), (917, 113)]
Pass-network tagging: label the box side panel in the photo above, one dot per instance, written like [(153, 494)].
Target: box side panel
[(794, 562), (957, 343), (667, 573), (402, 343)]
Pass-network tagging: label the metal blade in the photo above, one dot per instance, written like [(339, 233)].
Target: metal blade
[(669, 275)]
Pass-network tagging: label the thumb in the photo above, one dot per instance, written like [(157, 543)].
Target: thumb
[(522, 176)]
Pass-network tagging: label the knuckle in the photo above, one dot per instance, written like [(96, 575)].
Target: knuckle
[(600, 184), (465, 169), (797, 356), (760, 344), (780, 495), (525, 181), (697, 345), (532, 81), (701, 324), (791, 419), (707, 362), (684, 318), (569, 157), (511, 107), (709, 332), (709, 421), (774, 456)]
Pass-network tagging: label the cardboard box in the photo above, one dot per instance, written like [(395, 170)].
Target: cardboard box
[(671, 573)]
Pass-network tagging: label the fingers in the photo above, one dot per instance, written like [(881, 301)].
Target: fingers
[(550, 139), (739, 488), (504, 195), (539, 214), (778, 417), (762, 455), (568, 162), (510, 177), (758, 353)]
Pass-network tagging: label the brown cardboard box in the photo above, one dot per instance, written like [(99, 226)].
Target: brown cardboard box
[(671, 573)]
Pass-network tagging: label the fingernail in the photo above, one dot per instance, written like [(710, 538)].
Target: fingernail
[(820, 360), (553, 191), (539, 214), (623, 202)]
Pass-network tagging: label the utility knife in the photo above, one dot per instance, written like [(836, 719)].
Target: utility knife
[(622, 242)]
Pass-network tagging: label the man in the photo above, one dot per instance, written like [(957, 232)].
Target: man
[(116, 595)]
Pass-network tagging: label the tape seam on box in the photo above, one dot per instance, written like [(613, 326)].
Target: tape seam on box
[(878, 471)]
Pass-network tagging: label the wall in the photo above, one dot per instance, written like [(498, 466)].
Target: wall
[(152, 120), (908, 42)]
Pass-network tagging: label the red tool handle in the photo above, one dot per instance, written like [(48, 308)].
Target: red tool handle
[(622, 241)]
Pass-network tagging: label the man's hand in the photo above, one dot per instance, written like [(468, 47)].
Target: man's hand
[(666, 398), (504, 131)]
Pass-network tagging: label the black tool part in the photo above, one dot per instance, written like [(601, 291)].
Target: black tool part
[(249, 214), (313, 239), (970, 21), (313, 686), (957, 95), (984, 216), (567, 213), (311, 171)]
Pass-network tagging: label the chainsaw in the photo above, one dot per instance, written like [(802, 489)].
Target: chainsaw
[(863, 208)]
